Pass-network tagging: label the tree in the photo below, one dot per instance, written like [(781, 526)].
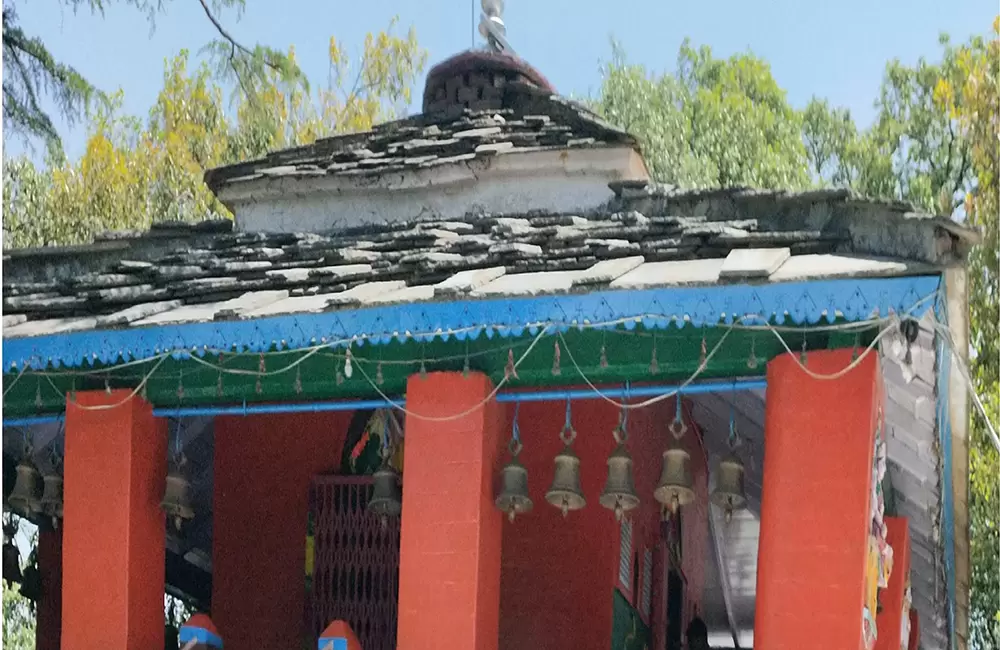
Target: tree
[(31, 71), (975, 105), (18, 612), (134, 173), (713, 123)]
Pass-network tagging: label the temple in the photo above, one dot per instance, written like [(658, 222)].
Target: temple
[(474, 380)]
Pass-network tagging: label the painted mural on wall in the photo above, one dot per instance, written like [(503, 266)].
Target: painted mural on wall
[(879, 563)]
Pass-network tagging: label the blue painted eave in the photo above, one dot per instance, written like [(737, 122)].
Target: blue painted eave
[(801, 303)]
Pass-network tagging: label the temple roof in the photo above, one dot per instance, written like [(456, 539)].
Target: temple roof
[(532, 120), (647, 236)]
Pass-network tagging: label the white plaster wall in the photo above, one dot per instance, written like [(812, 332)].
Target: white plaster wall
[(560, 181)]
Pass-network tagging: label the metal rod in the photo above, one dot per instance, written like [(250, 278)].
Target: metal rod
[(559, 395), (289, 407), (621, 392), (30, 421), (720, 563)]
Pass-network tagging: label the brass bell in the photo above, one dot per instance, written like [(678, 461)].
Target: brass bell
[(176, 499), (51, 502), (387, 500), (565, 492), (729, 492), (513, 498), (619, 491), (676, 486), (23, 498)]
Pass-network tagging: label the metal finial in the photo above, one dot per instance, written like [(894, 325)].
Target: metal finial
[(492, 27)]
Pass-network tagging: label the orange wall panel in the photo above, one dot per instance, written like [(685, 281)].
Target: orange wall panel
[(263, 467), (889, 621), (449, 560), (816, 510), (114, 531)]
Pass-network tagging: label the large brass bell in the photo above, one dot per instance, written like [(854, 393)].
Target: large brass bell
[(676, 486), (513, 498), (619, 491), (729, 491), (51, 503), (176, 498), (565, 492), (387, 498), (23, 498)]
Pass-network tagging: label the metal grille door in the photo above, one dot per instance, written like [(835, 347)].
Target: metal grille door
[(356, 574)]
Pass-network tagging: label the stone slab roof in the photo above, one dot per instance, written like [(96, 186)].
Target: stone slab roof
[(646, 237), (540, 122)]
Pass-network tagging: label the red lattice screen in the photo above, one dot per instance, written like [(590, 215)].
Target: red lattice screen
[(356, 571)]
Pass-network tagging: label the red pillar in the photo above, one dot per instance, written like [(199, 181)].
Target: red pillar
[(449, 574), (48, 621), (890, 619), (114, 532), (815, 510)]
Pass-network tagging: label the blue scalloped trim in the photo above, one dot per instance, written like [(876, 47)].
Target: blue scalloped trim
[(799, 303)]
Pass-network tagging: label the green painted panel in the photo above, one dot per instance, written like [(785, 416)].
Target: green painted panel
[(307, 376), (628, 632)]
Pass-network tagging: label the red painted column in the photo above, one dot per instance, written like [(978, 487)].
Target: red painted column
[(48, 621), (449, 574), (815, 510), (890, 620), (114, 533)]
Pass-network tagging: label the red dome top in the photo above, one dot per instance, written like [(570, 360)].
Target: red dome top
[(479, 80)]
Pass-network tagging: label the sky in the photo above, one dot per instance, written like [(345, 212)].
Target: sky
[(836, 50)]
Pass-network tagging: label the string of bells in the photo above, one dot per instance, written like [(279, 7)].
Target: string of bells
[(37, 494), (674, 489)]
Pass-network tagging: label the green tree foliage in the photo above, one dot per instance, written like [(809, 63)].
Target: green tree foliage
[(975, 105), (31, 72), (133, 173), (18, 620), (18, 611), (712, 122)]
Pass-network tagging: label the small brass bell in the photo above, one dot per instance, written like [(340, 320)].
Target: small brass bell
[(565, 492), (23, 498), (387, 500), (619, 491), (513, 498), (51, 502), (176, 498), (676, 486), (729, 493)]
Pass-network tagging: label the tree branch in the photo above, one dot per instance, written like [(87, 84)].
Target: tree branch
[(229, 37)]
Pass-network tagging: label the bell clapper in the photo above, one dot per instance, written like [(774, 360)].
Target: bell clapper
[(565, 507)]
